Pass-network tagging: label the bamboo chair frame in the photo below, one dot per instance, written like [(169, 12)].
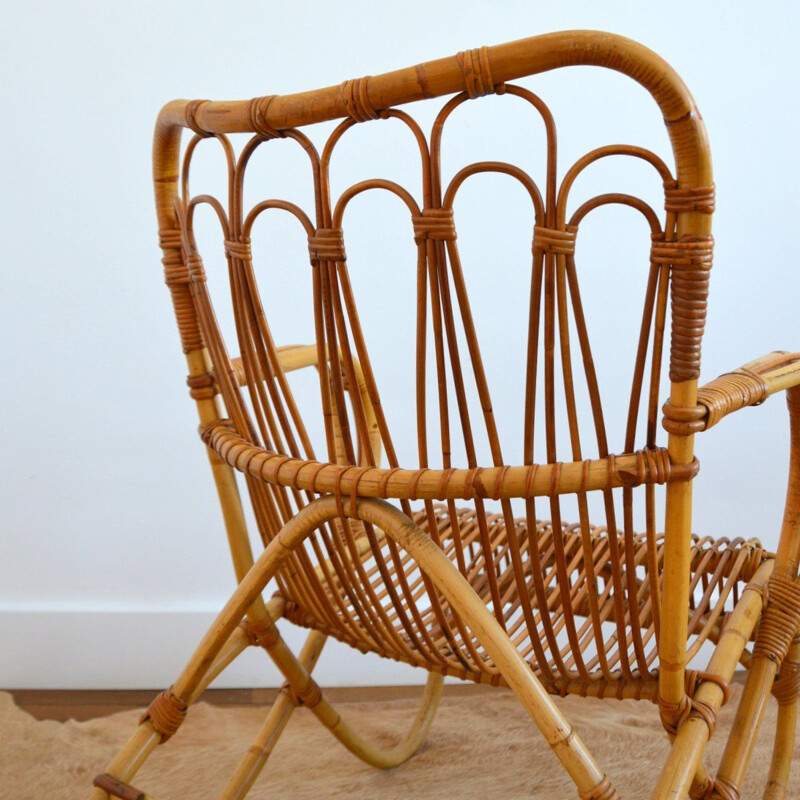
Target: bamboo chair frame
[(459, 590)]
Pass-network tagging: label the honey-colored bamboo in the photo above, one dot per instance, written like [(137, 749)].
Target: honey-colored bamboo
[(448, 578)]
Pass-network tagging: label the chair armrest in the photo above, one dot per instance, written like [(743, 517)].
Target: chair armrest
[(750, 385), (292, 357)]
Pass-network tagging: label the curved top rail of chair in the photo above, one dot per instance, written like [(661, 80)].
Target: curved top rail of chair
[(630, 469), (443, 76)]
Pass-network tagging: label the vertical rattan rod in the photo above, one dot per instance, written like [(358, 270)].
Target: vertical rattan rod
[(678, 524)]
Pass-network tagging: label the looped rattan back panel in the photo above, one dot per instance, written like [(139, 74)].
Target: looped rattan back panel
[(573, 599)]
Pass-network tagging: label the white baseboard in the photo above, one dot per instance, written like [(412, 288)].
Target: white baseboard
[(145, 649)]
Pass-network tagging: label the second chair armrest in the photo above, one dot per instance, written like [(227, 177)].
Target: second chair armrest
[(749, 385)]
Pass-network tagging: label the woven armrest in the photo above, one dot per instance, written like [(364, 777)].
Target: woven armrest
[(750, 385)]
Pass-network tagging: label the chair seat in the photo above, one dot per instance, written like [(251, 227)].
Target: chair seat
[(404, 623)]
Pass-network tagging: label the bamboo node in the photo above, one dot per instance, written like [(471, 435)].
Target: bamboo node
[(550, 240), (355, 94), (700, 199), (166, 713), (603, 791), (190, 118), (474, 65), (327, 244), (434, 223)]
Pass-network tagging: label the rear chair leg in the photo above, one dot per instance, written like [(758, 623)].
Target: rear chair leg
[(256, 757), (786, 691)]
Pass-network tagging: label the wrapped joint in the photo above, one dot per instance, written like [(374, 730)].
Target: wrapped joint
[(355, 94), (259, 107), (690, 263), (718, 398), (240, 250), (474, 65), (194, 265), (683, 420), (652, 466), (309, 695), (115, 788), (190, 118), (673, 715), (716, 789), (700, 199), (786, 688), (730, 392), (262, 632), (165, 713), (780, 621), (434, 223), (549, 240), (327, 244), (202, 387), (171, 245)]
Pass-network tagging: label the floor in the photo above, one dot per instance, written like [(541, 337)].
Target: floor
[(61, 704)]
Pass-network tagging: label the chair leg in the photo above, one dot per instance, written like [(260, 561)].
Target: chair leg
[(783, 750), (689, 744), (256, 757), (146, 738), (223, 642), (592, 784), (411, 742)]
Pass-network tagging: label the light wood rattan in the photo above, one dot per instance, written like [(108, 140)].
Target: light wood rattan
[(460, 575)]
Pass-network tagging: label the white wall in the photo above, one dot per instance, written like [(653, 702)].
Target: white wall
[(112, 557)]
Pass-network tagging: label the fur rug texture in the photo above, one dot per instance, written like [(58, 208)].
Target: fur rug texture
[(481, 746)]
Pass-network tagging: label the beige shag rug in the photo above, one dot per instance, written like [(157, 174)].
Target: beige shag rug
[(480, 746)]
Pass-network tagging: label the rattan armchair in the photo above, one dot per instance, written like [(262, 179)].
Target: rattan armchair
[(428, 563)]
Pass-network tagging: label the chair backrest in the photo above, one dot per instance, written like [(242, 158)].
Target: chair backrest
[(264, 417)]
